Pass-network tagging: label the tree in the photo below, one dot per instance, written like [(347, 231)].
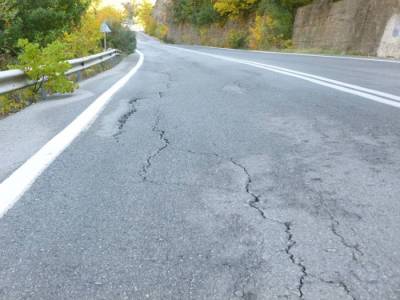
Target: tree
[(130, 10), (197, 12), (86, 38), (233, 8), (145, 17), (39, 21)]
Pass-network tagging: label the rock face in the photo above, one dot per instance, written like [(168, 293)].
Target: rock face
[(161, 11), (390, 43), (359, 26), (213, 35)]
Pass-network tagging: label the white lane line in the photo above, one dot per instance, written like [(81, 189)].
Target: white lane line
[(370, 94), (337, 82), (371, 59), (12, 188)]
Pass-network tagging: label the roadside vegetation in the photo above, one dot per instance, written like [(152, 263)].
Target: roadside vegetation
[(39, 36), (255, 24)]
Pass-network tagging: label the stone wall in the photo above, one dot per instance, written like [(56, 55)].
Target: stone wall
[(355, 26)]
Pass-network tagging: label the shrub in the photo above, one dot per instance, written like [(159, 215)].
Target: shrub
[(196, 12), (264, 34), (233, 8), (237, 39), (15, 101), (162, 32), (122, 38), (46, 66)]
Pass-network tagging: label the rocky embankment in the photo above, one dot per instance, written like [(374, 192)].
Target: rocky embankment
[(365, 27)]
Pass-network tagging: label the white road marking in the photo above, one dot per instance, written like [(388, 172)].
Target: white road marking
[(371, 59), (370, 94), (12, 188)]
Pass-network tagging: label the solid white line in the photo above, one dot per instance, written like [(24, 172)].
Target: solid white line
[(352, 86), (12, 188), (369, 94), (393, 61)]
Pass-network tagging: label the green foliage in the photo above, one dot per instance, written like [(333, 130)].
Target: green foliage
[(280, 14), (237, 39), (46, 66), (196, 12), (40, 21), (122, 38), (16, 101), (234, 8), (272, 26)]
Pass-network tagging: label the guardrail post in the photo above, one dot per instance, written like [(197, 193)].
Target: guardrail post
[(79, 76), (43, 93)]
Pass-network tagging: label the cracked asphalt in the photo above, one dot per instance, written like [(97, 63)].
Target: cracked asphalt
[(204, 179)]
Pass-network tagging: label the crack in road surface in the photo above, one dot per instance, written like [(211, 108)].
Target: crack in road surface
[(288, 228), (255, 198), (294, 260), (341, 284), (354, 247), (161, 134), (125, 117)]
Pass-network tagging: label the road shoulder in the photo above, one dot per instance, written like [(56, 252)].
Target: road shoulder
[(24, 133)]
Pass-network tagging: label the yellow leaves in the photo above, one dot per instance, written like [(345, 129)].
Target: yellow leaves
[(257, 31), (162, 32), (149, 23), (85, 40), (109, 14), (145, 11), (263, 35), (232, 8)]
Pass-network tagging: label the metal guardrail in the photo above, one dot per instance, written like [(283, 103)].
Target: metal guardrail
[(13, 80)]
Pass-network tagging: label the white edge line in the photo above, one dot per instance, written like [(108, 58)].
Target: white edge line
[(13, 188), (352, 86), (323, 82), (371, 59)]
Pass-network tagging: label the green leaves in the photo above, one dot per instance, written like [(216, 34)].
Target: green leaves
[(122, 38), (40, 21), (46, 66)]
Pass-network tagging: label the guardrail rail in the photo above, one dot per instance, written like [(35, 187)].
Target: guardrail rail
[(13, 80)]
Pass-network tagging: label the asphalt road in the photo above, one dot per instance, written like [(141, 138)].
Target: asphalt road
[(208, 178)]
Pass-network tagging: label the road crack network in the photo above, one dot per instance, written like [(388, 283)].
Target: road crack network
[(165, 143)]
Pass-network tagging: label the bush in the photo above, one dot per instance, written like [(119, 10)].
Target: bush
[(196, 12), (265, 34), (46, 66), (122, 38), (15, 101), (237, 39)]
